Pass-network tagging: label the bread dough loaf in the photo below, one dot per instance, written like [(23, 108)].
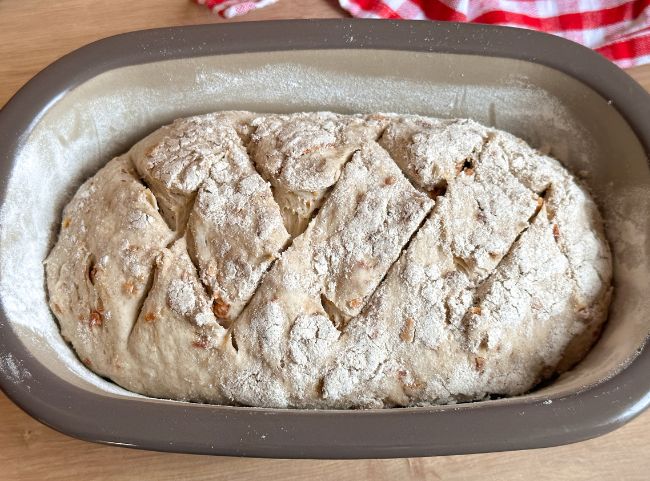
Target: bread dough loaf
[(320, 260)]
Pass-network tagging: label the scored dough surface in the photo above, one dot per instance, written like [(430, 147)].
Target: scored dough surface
[(320, 260)]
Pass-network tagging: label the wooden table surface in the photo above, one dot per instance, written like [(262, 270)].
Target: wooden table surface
[(34, 34)]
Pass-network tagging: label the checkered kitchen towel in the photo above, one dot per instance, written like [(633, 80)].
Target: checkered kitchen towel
[(233, 8), (618, 29)]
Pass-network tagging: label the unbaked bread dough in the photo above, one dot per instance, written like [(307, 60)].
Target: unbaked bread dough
[(319, 260)]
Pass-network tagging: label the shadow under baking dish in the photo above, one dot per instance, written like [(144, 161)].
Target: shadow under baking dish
[(95, 103)]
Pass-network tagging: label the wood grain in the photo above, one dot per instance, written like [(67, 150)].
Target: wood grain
[(34, 34)]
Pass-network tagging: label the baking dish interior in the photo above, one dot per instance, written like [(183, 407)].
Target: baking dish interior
[(104, 116)]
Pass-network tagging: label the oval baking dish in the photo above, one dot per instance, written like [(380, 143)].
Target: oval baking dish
[(95, 102)]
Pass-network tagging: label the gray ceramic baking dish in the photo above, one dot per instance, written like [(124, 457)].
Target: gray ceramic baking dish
[(95, 102)]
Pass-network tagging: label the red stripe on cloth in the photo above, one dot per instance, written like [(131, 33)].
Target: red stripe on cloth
[(627, 35), (377, 7), (627, 49), (569, 21), (437, 10)]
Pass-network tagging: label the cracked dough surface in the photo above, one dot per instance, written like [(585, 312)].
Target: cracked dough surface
[(320, 260)]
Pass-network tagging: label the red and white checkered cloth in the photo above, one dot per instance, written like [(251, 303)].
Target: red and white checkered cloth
[(233, 8), (618, 29)]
